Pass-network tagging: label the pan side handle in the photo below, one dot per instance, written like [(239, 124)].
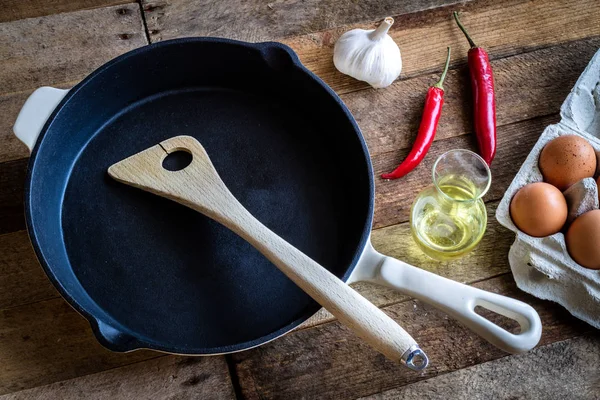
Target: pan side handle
[(35, 112), (113, 339), (455, 299)]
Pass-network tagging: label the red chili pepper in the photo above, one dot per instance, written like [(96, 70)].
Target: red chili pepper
[(429, 122), (482, 83)]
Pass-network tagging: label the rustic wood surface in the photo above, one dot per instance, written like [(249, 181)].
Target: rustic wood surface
[(258, 20), (538, 49), (503, 379), (18, 9), (163, 378), (329, 362)]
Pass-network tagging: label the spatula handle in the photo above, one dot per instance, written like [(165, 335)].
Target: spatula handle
[(348, 306), (199, 186)]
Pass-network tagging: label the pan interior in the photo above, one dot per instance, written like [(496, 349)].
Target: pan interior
[(168, 274)]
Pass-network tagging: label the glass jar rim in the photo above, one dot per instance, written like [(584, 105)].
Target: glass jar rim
[(480, 161)]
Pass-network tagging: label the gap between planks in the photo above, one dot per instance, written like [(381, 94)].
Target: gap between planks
[(403, 100), (381, 132), (15, 10), (506, 377), (331, 362), (406, 90)]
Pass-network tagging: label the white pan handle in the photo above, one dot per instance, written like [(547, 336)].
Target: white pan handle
[(35, 113), (459, 301)]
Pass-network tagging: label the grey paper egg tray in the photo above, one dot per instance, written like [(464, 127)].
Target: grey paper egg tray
[(542, 266)]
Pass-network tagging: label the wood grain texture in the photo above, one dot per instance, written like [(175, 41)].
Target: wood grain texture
[(329, 363), (12, 185), (389, 118), (48, 341), (65, 47), (22, 280), (168, 377), (10, 105), (18, 9), (393, 124), (557, 371), (257, 20), (199, 187), (503, 28), (549, 73)]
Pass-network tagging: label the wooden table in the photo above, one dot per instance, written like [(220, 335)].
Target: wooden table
[(538, 49)]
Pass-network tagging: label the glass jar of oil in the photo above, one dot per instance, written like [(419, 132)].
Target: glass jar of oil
[(448, 219)]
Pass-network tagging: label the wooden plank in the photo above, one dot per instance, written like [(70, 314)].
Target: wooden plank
[(549, 73), (389, 119), (328, 361), (258, 20), (58, 50), (393, 123), (10, 105), (22, 280), (18, 9), (503, 28), (488, 260), (65, 47), (392, 205), (168, 377), (12, 183), (557, 371), (394, 198), (46, 342), (389, 240)]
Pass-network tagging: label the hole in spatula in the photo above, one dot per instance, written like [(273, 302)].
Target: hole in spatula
[(177, 160), (502, 321)]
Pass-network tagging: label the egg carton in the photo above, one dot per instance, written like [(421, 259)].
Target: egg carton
[(543, 266)]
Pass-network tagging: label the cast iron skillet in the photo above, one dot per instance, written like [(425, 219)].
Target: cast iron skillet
[(149, 273)]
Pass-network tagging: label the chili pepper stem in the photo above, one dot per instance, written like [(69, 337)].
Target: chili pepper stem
[(462, 28), (441, 81)]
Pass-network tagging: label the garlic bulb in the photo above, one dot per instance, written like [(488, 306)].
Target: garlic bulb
[(369, 55)]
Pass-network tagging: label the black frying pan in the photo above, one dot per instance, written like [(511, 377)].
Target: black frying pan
[(149, 273)]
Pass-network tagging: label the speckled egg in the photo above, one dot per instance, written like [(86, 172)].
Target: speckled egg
[(583, 239), (567, 160), (539, 209)]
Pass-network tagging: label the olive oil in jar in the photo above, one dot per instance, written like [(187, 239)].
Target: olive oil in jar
[(449, 218)]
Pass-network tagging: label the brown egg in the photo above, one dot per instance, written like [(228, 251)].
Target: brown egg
[(583, 239), (567, 160), (539, 209)]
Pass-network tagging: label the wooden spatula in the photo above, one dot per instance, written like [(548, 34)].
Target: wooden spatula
[(199, 187)]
